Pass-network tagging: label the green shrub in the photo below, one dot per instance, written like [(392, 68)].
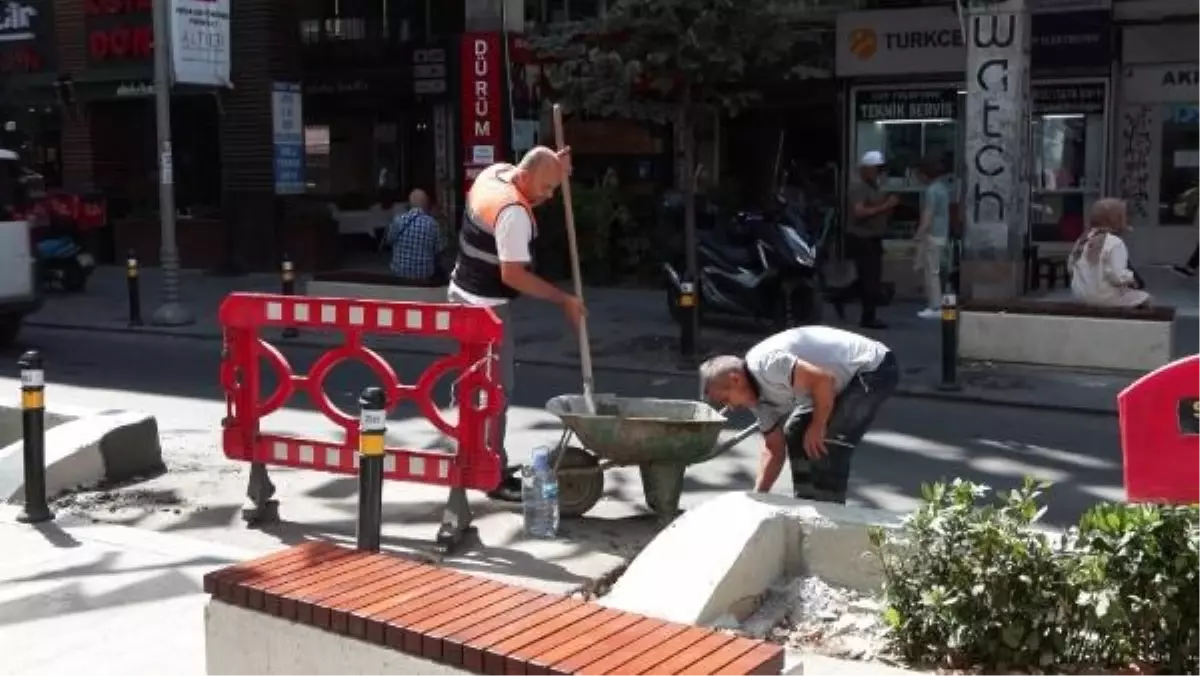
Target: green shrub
[(970, 582)]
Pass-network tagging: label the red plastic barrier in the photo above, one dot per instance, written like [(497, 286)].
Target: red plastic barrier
[(243, 316), (1159, 434)]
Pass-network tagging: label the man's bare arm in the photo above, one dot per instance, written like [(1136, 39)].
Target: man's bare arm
[(819, 384), (517, 277)]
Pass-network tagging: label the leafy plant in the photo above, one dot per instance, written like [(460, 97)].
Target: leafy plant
[(971, 582)]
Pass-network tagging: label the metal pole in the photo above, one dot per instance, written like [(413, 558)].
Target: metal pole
[(287, 274), (172, 312), (372, 427), (33, 430)]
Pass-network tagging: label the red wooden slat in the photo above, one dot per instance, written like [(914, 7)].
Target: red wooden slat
[(685, 658), (454, 646), (343, 614), (256, 589), (377, 629), (389, 599), (497, 654), (652, 655), (437, 644), (218, 583), (611, 663), (308, 600), (645, 629), (767, 658), (277, 595), (575, 639), (324, 609), (405, 633), (239, 591), (720, 657)]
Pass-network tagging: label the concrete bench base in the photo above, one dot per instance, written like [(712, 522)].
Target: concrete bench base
[(317, 608), (1079, 342)]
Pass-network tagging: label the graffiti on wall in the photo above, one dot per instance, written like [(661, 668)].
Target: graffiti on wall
[(1137, 143), (992, 133)]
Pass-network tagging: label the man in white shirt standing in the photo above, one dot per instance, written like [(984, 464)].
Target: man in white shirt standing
[(495, 260), (815, 391)]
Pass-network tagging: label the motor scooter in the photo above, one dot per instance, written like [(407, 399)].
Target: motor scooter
[(756, 267)]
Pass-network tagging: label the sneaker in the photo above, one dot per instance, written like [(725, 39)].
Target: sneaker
[(1184, 270), (930, 313)]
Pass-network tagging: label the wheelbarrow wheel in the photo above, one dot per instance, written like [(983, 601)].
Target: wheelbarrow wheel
[(578, 491)]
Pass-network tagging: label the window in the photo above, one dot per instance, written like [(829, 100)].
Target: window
[(1179, 174), (1067, 143), (907, 125)]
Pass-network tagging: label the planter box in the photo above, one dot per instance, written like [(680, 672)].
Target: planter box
[(1066, 335)]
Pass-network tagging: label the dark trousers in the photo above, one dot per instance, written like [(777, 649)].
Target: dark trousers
[(867, 254), (827, 477)]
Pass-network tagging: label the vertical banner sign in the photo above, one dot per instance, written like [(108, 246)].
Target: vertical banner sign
[(482, 102), (200, 42), (288, 126), (997, 130)]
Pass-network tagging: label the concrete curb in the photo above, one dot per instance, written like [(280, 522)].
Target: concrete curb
[(104, 446), (913, 391)]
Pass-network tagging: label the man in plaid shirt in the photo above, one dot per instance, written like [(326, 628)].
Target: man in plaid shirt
[(415, 239)]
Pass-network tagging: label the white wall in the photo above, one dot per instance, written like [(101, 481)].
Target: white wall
[(240, 641)]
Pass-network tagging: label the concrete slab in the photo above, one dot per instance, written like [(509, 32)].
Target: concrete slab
[(88, 598), (84, 448), (720, 557)]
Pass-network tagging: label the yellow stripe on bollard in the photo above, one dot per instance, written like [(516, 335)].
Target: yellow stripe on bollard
[(949, 314), (371, 444), (33, 399)]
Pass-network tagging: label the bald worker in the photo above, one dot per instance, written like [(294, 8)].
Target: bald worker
[(416, 240), (495, 260)]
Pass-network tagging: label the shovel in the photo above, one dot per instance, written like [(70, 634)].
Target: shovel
[(585, 351)]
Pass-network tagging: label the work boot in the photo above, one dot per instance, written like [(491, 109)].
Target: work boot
[(509, 489)]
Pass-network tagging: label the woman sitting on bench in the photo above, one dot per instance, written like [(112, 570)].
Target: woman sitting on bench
[(1099, 262)]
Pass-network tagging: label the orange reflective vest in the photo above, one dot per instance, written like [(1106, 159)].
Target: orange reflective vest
[(477, 270)]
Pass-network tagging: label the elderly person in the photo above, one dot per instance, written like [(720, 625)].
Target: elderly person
[(870, 210), (495, 260), (815, 390), (415, 239), (1099, 261)]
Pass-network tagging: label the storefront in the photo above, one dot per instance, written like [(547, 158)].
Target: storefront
[(1158, 139), (902, 70), (29, 115)]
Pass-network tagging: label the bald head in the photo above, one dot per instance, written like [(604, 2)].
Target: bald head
[(419, 199), (539, 174)]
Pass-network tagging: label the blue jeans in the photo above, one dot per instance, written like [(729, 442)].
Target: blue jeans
[(827, 477)]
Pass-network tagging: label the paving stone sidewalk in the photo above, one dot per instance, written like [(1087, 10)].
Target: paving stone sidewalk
[(630, 331)]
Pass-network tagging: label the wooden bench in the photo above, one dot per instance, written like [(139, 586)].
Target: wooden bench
[(1066, 334), (470, 623), (366, 284)]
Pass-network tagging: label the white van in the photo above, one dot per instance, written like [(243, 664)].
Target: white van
[(19, 292)]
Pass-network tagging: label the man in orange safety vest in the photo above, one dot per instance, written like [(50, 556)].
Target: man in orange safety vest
[(495, 260)]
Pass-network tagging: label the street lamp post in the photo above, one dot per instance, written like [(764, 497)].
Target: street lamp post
[(172, 311)]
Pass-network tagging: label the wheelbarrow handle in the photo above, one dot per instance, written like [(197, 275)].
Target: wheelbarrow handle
[(736, 439)]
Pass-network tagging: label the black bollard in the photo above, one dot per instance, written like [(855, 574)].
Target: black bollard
[(33, 429), (372, 427), (687, 328), (287, 273), (133, 285), (950, 286)]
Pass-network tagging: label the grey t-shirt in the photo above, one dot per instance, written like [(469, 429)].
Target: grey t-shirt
[(862, 192), (772, 362)]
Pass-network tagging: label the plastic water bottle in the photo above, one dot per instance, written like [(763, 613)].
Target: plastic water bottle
[(539, 494)]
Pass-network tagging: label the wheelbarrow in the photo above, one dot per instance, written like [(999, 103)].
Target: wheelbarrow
[(662, 437)]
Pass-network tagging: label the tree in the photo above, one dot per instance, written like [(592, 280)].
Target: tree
[(668, 61)]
